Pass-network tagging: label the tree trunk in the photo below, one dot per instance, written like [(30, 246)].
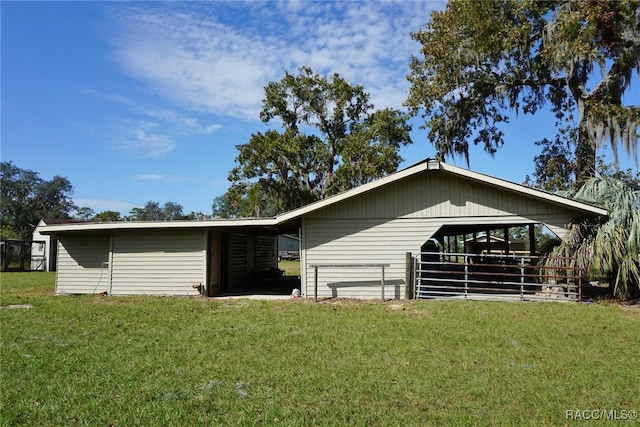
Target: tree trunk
[(585, 157)]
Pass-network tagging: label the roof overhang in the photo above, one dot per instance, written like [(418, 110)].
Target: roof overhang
[(533, 192), (161, 225), (435, 165), (289, 220)]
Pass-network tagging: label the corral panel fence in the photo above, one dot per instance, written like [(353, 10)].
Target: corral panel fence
[(496, 276), (18, 255)]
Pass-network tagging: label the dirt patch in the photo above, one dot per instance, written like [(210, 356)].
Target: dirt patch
[(23, 306), (391, 303)]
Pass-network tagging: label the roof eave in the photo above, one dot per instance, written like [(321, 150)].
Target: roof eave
[(138, 225), (524, 189), (422, 166)]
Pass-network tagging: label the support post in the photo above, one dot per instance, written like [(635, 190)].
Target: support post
[(315, 283), (522, 272), (532, 239), (466, 276), (382, 282), (506, 241), (408, 277), (579, 286)]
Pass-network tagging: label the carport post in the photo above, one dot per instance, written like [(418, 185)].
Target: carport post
[(382, 281), (315, 283), (408, 282)]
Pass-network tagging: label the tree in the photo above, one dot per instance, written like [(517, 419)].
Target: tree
[(26, 199), (628, 177), (331, 141), (196, 216), (480, 59), (108, 216), (172, 211), (608, 248), (85, 213), (152, 211), (231, 204), (555, 168)]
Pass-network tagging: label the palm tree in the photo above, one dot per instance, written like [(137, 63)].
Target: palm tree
[(608, 247)]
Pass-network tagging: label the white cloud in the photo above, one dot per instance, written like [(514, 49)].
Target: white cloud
[(150, 177), (171, 116), (164, 178), (168, 179), (216, 57), (210, 129), (180, 123), (142, 139), (110, 97)]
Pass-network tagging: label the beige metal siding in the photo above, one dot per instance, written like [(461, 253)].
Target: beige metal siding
[(162, 262), (371, 241), (83, 263), (381, 226), (361, 241), (435, 194)]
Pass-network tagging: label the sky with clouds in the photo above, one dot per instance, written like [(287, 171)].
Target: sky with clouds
[(147, 101)]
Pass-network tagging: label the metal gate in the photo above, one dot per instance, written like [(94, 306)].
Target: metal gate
[(496, 276), (18, 255)]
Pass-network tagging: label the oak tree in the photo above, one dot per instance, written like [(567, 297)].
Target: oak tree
[(331, 140), (26, 199), (480, 60), (152, 211)]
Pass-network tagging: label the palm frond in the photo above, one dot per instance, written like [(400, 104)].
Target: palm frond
[(611, 246)]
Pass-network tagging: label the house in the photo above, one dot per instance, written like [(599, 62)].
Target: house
[(344, 238), (44, 249)]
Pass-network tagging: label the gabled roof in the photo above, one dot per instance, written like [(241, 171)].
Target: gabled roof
[(431, 164), (423, 166)]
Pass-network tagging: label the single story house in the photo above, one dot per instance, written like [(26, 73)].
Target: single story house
[(343, 239), (44, 249)]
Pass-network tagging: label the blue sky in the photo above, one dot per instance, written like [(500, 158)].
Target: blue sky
[(140, 101)]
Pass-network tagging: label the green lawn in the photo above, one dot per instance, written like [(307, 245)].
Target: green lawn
[(162, 361), (290, 268)]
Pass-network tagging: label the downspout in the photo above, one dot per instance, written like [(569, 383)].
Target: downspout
[(110, 264), (303, 260), (206, 267)]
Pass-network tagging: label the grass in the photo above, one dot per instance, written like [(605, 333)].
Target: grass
[(291, 268), (120, 361)]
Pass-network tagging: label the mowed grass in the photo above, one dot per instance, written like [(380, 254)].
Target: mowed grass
[(290, 268), (122, 361)]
